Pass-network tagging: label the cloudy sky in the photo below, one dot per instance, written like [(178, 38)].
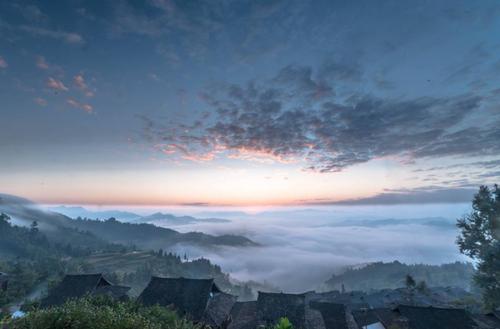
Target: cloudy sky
[(249, 102)]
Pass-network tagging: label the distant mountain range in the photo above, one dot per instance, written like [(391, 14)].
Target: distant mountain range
[(160, 218), (169, 219), (75, 212), (143, 235)]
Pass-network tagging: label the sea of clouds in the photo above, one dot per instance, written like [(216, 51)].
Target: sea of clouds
[(301, 248)]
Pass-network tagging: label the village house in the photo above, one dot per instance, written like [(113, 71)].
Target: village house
[(273, 306), (198, 299), (375, 318), (487, 321), (322, 311), (303, 311), (244, 315), (79, 285), (415, 317)]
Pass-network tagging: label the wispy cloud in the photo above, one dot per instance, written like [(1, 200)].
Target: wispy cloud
[(41, 63), (56, 84), (41, 101), (405, 196), (81, 84), (68, 37), (31, 13), (81, 106), (3, 63)]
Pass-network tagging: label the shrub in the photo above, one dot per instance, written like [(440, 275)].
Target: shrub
[(101, 313), (283, 323)]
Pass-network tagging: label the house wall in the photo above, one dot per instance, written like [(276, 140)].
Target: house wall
[(376, 325)]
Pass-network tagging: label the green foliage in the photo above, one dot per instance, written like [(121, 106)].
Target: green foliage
[(480, 240), (283, 323), (32, 256), (102, 313), (380, 275)]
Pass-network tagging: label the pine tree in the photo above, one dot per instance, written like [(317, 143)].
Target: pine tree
[(480, 240)]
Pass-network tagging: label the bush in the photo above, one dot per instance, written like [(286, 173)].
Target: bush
[(101, 313), (283, 323)]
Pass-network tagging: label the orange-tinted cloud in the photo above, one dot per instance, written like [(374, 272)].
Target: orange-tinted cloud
[(40, 101), (82, 106), (41, 63), (80, 83), (56, 84), (3, 63)]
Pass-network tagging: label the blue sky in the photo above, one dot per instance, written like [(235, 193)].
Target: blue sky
[(248, 102)]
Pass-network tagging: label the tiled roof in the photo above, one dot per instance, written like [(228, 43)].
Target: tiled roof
[(435, 318), (273, 306)]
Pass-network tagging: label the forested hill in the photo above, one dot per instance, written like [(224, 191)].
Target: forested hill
[(381, 275), (145, 236), (33, 258), (153, 237)]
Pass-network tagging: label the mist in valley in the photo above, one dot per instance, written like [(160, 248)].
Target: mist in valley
[(300, 248)]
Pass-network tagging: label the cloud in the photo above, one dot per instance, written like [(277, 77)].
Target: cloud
[(154, 77), (3, 63), (68, 37), (56, 84), (328, 239), (31, 13), (41, 63), (40, 101), (80, 83), (487, 164), (297, 116), (415, 196), (82, 106)]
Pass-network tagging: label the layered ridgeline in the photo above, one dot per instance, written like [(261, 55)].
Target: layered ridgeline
[(142, 235), (38, 247), (127, 216)]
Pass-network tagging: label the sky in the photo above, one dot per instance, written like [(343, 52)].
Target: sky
[(249, 103)]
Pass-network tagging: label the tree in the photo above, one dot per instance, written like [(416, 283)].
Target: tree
[(4, 221), (34, 227), (422, 286), (410, 282), (480, 239)]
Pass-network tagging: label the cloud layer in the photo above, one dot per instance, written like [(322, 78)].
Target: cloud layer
[(295, 116), (303, 248)]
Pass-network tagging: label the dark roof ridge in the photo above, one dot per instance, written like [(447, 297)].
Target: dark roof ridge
[(429, 307), (85, 274), (179, 278), (283, 293)]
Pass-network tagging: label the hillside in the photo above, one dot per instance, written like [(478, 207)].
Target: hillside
[(380, 275), (149, 236), (32, 257), (146, 236)]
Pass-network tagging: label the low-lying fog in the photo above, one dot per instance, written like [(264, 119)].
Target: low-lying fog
[(301, 248)]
